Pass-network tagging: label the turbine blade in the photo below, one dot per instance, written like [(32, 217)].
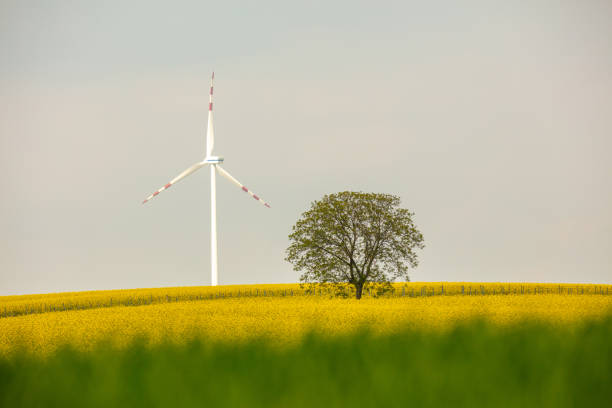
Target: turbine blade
[(210, 131), (236, 182), (176, 179)]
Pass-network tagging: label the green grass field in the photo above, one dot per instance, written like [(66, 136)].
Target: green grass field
[(475, 365)]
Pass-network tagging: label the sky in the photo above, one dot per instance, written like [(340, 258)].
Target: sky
[(491, 120)]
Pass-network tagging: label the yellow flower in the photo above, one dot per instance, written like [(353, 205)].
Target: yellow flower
[(282, 313)]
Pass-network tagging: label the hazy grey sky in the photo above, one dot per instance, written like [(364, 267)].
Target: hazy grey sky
[(492, 120)]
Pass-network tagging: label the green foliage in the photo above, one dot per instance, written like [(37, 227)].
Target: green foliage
[(476, 365), (356, 238)]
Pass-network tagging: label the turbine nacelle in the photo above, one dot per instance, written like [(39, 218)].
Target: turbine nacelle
[(213, 160)]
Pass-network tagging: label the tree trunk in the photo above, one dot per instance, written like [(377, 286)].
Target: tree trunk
[(358, 290)]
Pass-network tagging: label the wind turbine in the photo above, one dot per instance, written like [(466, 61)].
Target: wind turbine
[(215, 165)]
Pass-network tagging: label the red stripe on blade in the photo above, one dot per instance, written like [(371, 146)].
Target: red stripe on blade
[(255, 197), (246, 190), (211, 90), (167, 185), (267, 205), (210, 106), (155, 193)]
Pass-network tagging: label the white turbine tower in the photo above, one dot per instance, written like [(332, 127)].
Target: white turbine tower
[(214, 163)]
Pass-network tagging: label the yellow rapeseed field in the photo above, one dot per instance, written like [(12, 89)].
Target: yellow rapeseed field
[(52, 302), (42, 323)]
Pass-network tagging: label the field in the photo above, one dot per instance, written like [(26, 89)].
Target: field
[(53, 302), (281, 313), (432, 344)]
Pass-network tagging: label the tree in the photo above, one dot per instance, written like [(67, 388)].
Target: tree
[(355, 238)]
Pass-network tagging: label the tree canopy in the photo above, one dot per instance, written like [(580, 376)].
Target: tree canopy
[(355, 238)]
